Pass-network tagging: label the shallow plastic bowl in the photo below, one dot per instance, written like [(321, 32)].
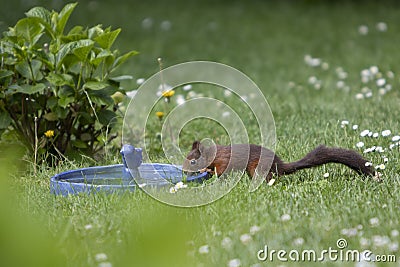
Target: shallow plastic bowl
[(118, 178)]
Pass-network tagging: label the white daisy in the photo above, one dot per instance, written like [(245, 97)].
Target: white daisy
[(380, 82), (298, 241), (140, 81), (363, 30), (380, 167), (374, 221), (187, 87), (360, 144), (386, 133), (180, 99), (381, 26), (204, 249), (254, 229), (234, 263), (374, 70), (390, 74), (245, 238), (312, 80), (394, 233), (285, 217), (101, 257), (226, 243), (396, 138), (364, 133), (172, 190)]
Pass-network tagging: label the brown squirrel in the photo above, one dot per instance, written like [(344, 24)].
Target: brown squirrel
[(250, 157)]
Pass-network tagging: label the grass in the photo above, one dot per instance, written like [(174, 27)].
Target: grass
[(268, 42)]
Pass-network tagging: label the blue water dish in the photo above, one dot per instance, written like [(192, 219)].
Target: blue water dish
[(130, 175)]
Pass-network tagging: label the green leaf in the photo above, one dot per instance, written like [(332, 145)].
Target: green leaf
[(36, 66), (5, 73), (79, 144), (85, 118), (95, 31), (65, 101), (5, 120), (8, 46), (65, 92), (106, 40), (101, 97), (77, 30), (29, 29), (79, 48), (51, 102), (86, 137), (60, 79), (44, 17), (94, 85), (13, 88), (73, 37), (72, 64), (24, 70), (64, 51), (26, 88), (63, 17), (83, 49), (100, 57), (62, 113), (106, 116), (31, 89), (40, 12), (46, 58), (120, 60), (31, 72), (50, 116)]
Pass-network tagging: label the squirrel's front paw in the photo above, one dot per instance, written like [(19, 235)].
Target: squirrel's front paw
[(209, 171), (202, 170)]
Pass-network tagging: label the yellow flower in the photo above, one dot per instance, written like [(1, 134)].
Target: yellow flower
[(168, 93), (160, 114), (49, 133)]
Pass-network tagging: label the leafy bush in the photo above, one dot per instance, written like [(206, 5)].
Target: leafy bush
[(57, 90)]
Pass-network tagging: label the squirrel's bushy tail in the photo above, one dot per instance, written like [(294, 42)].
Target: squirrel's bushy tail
[(322, 155)]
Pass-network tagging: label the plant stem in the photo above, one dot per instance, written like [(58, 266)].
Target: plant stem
[(31, 70), (36, 144)]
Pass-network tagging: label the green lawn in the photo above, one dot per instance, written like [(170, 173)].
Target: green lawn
[(269, 42)]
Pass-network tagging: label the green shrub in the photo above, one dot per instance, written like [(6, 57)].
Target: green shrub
[(57, 89)]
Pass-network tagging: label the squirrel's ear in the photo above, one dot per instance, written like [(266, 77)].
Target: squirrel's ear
[(196, 145)]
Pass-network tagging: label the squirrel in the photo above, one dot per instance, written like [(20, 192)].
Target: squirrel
[(219, 159)]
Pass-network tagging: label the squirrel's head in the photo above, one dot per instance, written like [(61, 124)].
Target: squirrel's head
[(199, 158)]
